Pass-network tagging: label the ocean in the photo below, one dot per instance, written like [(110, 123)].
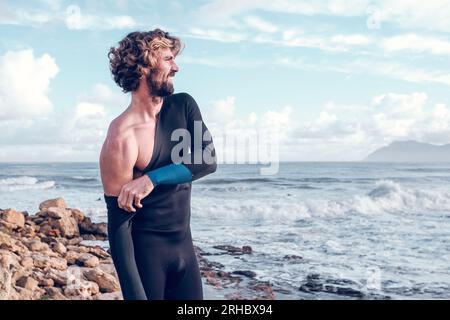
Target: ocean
[(380, 229)]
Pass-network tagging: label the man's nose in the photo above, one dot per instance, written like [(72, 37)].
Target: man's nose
[(175, 67)]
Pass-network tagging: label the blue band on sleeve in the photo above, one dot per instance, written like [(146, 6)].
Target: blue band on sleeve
[(170, 174)]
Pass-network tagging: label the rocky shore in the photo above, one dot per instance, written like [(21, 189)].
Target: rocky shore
[(47, 256)]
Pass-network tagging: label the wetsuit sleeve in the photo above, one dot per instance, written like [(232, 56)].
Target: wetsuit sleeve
[(170, 174), (202, 158)]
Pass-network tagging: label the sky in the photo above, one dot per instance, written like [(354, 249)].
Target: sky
[(333, 79)]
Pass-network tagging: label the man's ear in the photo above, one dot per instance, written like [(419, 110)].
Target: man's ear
[(144, 71)]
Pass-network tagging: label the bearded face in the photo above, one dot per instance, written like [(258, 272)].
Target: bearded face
[(160, 83)]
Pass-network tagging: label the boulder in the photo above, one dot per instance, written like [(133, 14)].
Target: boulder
[(13, 217), (106, 282), (58, 202)]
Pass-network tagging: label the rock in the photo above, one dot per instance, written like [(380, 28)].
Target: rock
[(88, 260), (74, 241), (88, 237), (58, 247), (99, 252), (86, 226), (37, 245), (49, 240), (77, 215), (25, 294), (67, 226), (82, 289), (106, 282), (265, 288), (58, 213), (109, 296), (108, 268), (101, 229), (27, 262), (9, 264), (42, 261), (27, 283), (247, 273), (11, 244), (234, 250), (55, 294), (44, 282), (80, 249), (58, 202), (315, 283), (13, 217), (28, 232), (293, 257), (59, 277), (247, 249), (72, 257)]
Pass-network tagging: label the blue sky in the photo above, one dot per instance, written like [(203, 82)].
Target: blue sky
[(335, 79)]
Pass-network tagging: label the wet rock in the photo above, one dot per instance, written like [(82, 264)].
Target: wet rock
[(292, 257), (316, 283), (234, 250), (247, 273), (88, 237), (101, 229), (86, 226)]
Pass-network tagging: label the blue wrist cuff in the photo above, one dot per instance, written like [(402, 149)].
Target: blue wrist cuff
[(170, 174)]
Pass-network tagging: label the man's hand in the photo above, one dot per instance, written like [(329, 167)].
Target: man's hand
[(133, 192)]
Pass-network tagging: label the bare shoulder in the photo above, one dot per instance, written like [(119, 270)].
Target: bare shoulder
[(120, 140), (117, 157)]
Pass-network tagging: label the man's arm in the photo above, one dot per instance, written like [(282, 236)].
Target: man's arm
[(202, 157), (117, 159)]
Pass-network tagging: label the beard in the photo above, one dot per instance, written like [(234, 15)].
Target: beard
[(159, 89)]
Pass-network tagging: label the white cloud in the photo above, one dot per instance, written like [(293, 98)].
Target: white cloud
[(409, 14), (390, 69), (397, 114), (416, 14), (22, 16), (76, 20), (24, 84), (260, 24), (352, 39), (416, 43), (216, 35)]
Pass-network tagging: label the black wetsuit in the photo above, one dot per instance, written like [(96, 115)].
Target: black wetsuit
[(152, 248)]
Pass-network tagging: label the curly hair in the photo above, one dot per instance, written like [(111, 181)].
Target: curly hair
[(136, 51)]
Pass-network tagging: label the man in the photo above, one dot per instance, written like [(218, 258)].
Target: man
[(149, 216)]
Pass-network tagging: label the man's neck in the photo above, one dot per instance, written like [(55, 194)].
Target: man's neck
[(145, 104)]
